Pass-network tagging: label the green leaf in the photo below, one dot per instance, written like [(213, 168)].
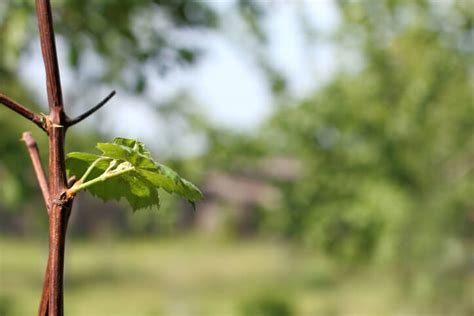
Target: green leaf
[(126, 170), (78, 162), (115, 151), (83, 156), (166, 178)]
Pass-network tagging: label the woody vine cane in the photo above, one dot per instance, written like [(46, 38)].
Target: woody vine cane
[(123, 170)]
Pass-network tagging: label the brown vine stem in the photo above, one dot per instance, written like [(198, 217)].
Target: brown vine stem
[(50, 58), (60, 208), (22, 110), (74, 121), (33, 151)]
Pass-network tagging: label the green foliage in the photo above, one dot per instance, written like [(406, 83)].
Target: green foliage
[(266, 305), (125, 169), (5, 305), (385, 150)]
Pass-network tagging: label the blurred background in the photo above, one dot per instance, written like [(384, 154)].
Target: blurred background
[(334, 141)]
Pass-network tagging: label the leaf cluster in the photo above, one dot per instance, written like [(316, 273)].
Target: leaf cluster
[(126, 170)]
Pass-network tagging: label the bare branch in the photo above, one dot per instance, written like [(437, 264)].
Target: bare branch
[(37, 166), (22, 110), (74, 121)]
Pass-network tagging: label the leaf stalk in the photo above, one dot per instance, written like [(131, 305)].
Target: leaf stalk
[(91, 167), (108, 174)]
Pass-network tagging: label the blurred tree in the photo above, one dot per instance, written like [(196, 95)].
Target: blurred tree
[(386, 149)]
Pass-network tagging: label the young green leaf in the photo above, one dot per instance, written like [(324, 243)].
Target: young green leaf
[(125, 169)]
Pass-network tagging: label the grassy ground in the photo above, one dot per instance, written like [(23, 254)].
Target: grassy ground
[(190, 276)]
